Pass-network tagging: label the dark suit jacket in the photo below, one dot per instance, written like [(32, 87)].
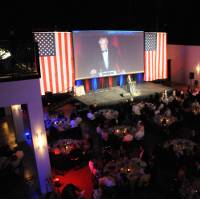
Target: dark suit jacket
[(113, 59)]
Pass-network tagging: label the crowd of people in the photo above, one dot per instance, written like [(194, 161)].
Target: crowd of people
[(145, 148)]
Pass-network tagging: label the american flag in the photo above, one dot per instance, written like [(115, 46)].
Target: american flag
[(56, 61), (155, 57)]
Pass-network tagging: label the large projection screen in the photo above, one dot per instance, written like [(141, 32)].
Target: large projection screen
[(107, 53)]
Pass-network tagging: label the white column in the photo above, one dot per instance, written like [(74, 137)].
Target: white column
[(18, 122), (39, 138)]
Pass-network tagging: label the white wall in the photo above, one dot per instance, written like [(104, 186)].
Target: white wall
[(28, 92), (192, 60), (177, 55), (184, 60)]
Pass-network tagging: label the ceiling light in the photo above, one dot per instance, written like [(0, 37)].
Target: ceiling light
[(4, 54)]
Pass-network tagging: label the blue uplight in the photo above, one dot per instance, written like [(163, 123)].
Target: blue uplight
[(79, 82), (121, 80), (27, 136), (139, 77), (94, 84)]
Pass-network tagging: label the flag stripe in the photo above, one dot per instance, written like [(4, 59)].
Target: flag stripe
[(53, 75), (43, 73), (46, 69), (41, 79), (70, 71), (154, 65), (64, 75), (71, 63), (157, 60), (58, 63), (50, 73), (165, 56), (160, 36), (149, 65), (56, 74), (162, 55), (61, 61), (159, 51), (146, 68), (65, 50)]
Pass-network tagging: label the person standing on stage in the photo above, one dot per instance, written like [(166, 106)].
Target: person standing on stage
[(128, 81)]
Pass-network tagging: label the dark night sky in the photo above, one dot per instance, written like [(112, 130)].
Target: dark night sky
[(180, 19)]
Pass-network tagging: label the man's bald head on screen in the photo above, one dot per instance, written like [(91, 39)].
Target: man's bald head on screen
[(103, 42)]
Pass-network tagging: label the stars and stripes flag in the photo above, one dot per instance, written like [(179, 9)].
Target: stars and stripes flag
[(155, 56), (56, 61)]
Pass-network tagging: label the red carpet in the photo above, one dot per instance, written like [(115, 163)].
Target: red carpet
[(82, 178)]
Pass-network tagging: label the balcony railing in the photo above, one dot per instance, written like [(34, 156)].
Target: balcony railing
[(18, 61)]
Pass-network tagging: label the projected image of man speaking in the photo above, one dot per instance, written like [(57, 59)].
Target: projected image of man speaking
[(108, 59), (104, 53)]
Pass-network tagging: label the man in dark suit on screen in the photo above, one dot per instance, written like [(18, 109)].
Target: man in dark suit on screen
[(107, 60)]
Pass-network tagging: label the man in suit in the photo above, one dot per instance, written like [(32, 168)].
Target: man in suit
[(107, 60)]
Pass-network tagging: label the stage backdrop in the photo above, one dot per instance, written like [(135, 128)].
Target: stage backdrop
[(57, 64)]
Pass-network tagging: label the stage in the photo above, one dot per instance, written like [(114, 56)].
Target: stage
[(114, 95)]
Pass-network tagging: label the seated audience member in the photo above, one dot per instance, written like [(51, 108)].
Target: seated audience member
[(16, 161), (97, 193), (78, 119), (161, 106), (182, 95), (136, 108), (140, 131), (75, 121), (168, 112), (90, 116), (128, 138), (107, 186), (104, 135), (71, 191), (173, 96), (99, 129), (107, 181), (92, 167), (164, 97)]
